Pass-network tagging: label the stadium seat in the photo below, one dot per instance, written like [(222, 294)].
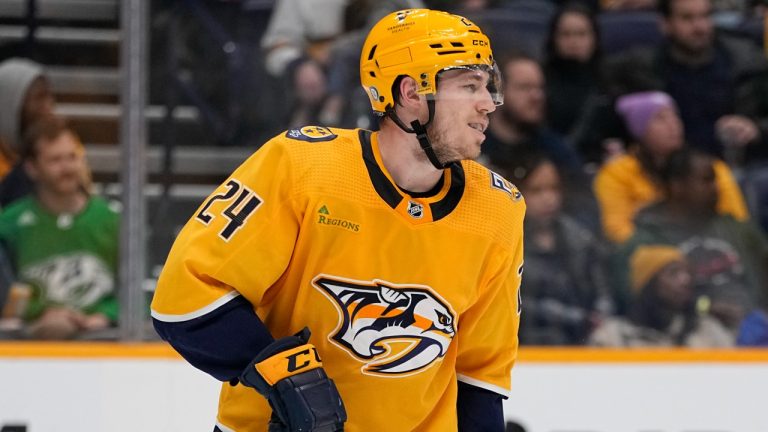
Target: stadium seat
[(514, 30), (622, 30)]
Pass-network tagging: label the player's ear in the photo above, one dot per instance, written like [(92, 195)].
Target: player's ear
[(409, 96)]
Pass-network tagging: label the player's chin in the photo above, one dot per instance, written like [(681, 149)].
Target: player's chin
[(473, 151)]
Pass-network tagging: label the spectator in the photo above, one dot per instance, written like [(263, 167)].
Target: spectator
[(316, 45), (663, 312), (719, 83), (571, 67), (62, 241), (566, 288), (628, 183), (727, 257), (519, 125), (26, 96)]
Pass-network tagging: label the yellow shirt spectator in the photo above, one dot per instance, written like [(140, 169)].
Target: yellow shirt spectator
[(623, 187)]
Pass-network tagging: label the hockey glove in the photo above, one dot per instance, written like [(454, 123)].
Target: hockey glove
[(289, 373)]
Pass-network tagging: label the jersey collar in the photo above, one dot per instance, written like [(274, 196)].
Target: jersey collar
[(415, 209)]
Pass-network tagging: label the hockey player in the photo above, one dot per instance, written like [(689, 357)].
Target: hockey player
[(400, 254)]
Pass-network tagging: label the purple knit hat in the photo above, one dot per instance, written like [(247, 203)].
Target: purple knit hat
[(637, 109)]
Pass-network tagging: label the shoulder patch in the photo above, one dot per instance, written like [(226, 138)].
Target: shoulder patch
[(311, 134), (504, 185)]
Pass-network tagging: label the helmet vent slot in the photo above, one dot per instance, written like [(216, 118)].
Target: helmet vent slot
[(373, 50), (450, 52), (457, 44), (473, 31), (371, 73), (437, 45)]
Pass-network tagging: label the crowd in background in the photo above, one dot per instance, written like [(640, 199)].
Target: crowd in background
[(640, 148)]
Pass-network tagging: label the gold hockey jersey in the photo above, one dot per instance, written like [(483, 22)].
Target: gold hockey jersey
[(404, 294)]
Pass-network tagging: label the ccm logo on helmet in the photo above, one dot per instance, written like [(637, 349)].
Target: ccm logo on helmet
[(479, 42)]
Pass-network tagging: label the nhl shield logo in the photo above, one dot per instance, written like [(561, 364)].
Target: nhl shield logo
[(416, 210)]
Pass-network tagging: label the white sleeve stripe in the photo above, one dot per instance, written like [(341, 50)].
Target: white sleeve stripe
[(484, 385), (224, 428), (221, 301)]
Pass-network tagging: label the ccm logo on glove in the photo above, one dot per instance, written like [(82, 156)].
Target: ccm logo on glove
[(289, 363)]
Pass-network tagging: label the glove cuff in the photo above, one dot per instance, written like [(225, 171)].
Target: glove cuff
[(290, 375), (289, 363), (282, 358)]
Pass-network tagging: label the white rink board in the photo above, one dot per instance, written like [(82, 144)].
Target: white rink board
[(167, 395), (658, 397), (106, 395)]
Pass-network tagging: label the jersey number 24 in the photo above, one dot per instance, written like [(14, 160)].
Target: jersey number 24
[(243, 203)]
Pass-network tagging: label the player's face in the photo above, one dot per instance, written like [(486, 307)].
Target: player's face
[(524, 96), (664, 133), (462, 104), (690, 25), (59, 165), (574, 37), (543, 196)]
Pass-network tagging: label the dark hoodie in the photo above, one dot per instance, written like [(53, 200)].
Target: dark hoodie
[(736, 82)]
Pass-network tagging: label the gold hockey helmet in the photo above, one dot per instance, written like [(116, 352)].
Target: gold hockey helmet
[(420, 43)]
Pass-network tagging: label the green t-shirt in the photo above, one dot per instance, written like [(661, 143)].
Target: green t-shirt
[(68, 259)]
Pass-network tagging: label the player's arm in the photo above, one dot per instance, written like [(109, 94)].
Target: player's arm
[(221, 342), (487, 336), (233, 249), (233, 344)]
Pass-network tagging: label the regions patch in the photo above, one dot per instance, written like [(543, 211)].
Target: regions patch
[(311, 134), (324, 218), (504, 185)]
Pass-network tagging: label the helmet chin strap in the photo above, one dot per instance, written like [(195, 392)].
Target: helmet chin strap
[(421, 132)]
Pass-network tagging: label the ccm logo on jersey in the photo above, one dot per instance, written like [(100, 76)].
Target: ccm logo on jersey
[(311, 134), (395, 330)]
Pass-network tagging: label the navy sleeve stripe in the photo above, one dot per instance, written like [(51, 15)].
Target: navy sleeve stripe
[(221, 342), (479, 410), (198, 313)]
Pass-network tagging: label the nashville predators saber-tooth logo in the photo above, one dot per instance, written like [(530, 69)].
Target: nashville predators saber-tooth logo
[(394, 329)]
